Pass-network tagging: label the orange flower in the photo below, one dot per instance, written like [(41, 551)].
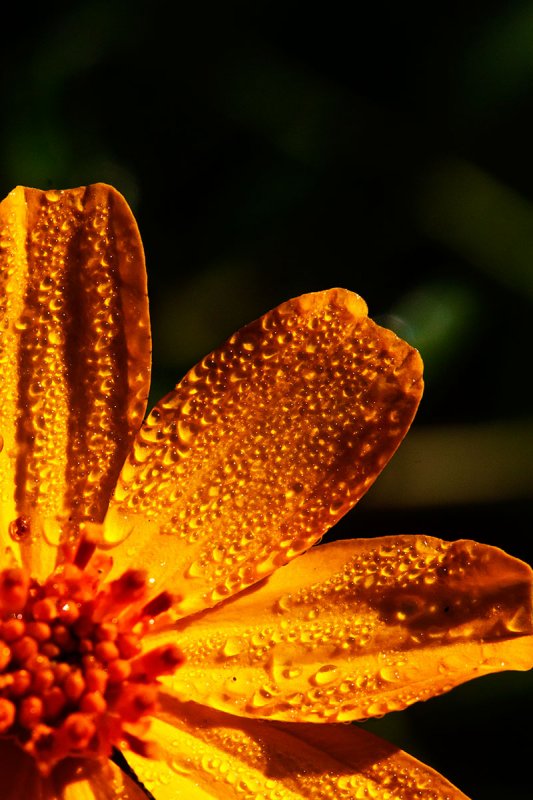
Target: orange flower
[(140, 604)]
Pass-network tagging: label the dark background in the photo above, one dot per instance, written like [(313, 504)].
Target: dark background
[(270, 150)]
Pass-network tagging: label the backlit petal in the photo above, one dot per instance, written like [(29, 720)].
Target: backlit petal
[(262, 447), (74, 360), (357, 629), (208, 754)]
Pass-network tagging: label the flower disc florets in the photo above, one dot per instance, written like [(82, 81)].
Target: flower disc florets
[(74, 680)]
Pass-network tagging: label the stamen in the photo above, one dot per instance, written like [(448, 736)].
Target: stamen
[(13, 590), (118, 670), (158, 605), (39, 631), (93, 703), (141, 747), (129, 588), (7, 714), (21, 683), (78, 730), (54, 702), (30, 711), (90, 537), (162, 660), (73, 678), (12, 629), (74, 686), (45, 610)]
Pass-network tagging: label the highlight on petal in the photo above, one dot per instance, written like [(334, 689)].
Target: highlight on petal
[(356, 629), (262, 447), (214, 755), (74, 360)]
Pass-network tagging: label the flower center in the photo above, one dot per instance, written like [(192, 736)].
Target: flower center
[(74, 680)]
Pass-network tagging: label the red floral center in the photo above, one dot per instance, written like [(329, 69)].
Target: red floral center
[(74, 680)]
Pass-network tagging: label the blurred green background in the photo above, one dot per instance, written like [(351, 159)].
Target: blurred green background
[(272, 149)]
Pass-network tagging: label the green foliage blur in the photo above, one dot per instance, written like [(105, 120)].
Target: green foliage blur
[(270, 150)]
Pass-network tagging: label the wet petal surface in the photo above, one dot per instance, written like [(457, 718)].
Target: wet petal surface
[(214, 755), (74, 360), (262, 447), (357, 629)]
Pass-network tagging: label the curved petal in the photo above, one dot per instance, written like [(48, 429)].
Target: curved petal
[(73, 779), (74, 360), (262, 447), (208, 754), (357, 629)]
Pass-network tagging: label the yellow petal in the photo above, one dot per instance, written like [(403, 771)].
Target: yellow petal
[(208, 754), (357, 629), (73, 779), (262, 447), (74, 360)]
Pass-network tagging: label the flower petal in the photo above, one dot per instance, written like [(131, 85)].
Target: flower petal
[(208, 754), (74, 359), (73, 779), (263, 446), (356, 629)]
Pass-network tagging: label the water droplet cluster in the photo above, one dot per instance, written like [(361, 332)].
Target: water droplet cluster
[(68, 262), (266, 443), (74, 680), (385, 623), (267, 762), (12, 247)]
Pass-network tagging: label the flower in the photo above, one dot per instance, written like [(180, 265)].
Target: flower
[(150, 595)]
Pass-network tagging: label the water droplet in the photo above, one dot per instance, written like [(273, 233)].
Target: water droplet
[(195, 570), (283, 604), (520, 622), (292, 672), (389, 674), (181, 768), (19, 529), (326, 674), (232, 647), (261, 699)]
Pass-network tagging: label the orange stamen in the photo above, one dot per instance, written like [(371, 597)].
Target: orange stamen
[(14, 584), (30, 711), (73, 679), (7, 714), (158, 605), (162, 660)]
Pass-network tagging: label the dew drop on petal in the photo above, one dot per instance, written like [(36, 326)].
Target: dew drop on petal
[(232, 646)]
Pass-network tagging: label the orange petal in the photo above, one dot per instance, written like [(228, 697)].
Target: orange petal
[(356, 629), (208, 754), (263, 446), (74, 359), (73, 779)]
